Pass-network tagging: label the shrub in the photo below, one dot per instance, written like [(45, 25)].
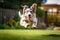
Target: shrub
[(16, 18), (11, 21), (14, 24), (51, 18), (40, 13), (19, 27), (58, 19), (1, 26), (6, 26), (57, 24), (51, 26)]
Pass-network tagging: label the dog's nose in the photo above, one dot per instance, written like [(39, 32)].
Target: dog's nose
[(29, 15)]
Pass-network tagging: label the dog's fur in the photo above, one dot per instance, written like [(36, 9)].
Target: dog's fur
[(28, 16)]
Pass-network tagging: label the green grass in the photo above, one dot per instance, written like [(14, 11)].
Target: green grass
[(29, 35)]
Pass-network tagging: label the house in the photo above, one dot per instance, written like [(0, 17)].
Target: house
[(52, 8)]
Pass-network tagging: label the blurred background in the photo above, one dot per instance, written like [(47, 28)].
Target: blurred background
[(48, 13)]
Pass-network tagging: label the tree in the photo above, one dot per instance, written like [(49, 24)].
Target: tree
[(16, 4)]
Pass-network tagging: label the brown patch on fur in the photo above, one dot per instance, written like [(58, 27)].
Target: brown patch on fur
[(26, 21)]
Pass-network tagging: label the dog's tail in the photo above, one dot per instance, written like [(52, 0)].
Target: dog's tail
[(19, 13)]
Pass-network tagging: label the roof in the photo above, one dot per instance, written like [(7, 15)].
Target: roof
[(50, 5), (52, 2)]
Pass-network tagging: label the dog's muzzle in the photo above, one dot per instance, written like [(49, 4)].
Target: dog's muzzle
[(29, 16)]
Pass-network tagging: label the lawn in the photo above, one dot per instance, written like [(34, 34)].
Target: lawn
[(29, 35)]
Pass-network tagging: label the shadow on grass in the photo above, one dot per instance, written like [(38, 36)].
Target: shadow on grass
[(52, 35)]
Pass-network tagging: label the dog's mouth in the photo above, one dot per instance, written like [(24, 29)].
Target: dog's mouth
[(29, 17)]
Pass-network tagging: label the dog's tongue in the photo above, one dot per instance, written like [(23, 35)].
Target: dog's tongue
[(29, 17)]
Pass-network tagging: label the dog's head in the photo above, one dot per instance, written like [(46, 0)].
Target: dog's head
[(29, 12)]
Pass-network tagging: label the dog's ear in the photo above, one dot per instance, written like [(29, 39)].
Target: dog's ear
[(33, 7), (24, 8)]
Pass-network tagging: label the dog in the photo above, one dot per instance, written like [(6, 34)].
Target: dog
[(28, 16)]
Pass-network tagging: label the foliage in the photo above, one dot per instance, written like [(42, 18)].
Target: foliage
[(30, 2), (1, 26), (10, 4), (14, 24), (51, 18), (51, 26), (58, 18), (11, 24), (40, 12), (54, 19), (6, 26), (16, 18), (57, 24), (11, 21), (16, 4)]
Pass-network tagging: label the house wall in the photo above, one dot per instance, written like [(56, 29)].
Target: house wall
[(53, 11)]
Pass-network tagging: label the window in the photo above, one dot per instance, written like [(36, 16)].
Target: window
[(50, 10), (55, 10)]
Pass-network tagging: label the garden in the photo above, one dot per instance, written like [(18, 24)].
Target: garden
[(12, 30)]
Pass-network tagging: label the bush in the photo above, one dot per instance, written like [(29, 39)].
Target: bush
[(51, 18), (58, 19), (6, 26), (40, 13), (1, 26), (51, 26), (57, 24), (19, 27), (16, 18)]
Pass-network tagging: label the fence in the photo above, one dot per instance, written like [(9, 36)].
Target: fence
[(5, 14)]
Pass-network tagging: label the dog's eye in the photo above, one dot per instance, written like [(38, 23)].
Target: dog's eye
[(31, 11)]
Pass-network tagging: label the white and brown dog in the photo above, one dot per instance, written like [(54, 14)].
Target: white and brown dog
[(29, 16)]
